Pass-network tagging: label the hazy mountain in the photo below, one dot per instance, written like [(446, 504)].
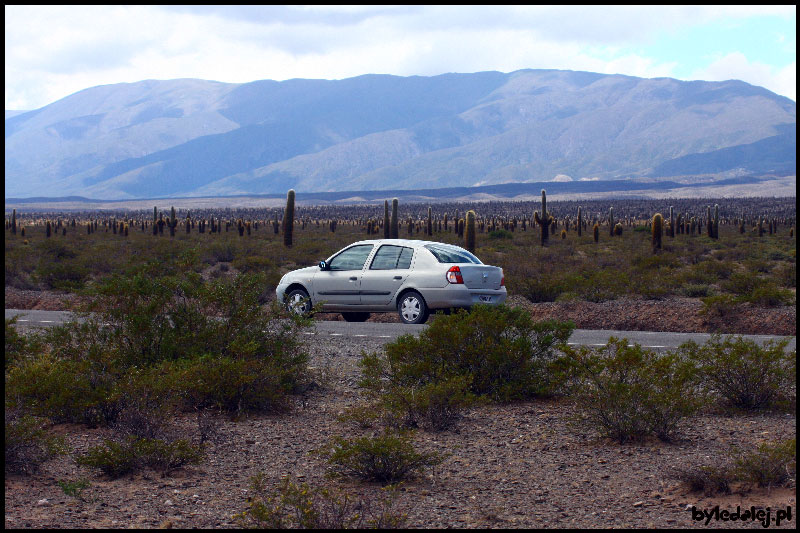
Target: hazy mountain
[(195, 137)]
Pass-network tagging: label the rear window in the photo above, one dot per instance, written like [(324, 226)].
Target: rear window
[(392, 257), (451, 254)]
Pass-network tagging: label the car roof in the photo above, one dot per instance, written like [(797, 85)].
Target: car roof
[(405, 242)]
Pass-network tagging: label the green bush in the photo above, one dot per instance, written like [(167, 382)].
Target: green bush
[(709, 480), (74, 380), (769, 465), (742, 372), (500, 234), (302, 506), (718, 305), (28, 444), (489, 353), (386, 458), (626, 392), (115, 459)]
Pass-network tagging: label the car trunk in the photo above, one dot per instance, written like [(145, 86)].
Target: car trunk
[(481, 276)]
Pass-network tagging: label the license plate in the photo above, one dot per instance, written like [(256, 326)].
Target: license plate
[(485, 299)]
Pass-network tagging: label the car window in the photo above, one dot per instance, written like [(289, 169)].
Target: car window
[(392, 257), (451, 254), (351, 259)]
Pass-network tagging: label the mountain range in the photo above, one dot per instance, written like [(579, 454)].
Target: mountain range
[(188, 137)]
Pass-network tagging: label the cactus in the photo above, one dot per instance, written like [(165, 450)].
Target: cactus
[(657, 229), (288, 219), (469, 233), (394, 228), (715, 225), (429, 227), (386, 222), (618, 229), (14, 221), (155, 220), (611, 221), (596, 232), (709, 222), (671, 231), (48, 229), (580, 222), (545, 220), (173, 222)]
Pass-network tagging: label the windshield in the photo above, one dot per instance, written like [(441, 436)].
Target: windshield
[(451, 254)]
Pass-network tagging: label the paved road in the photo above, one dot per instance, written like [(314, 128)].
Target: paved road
[(389, 331)]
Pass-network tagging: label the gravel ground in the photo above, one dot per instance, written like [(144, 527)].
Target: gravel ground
[(512, 466)]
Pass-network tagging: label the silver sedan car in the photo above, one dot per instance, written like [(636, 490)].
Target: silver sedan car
[(407, 276)]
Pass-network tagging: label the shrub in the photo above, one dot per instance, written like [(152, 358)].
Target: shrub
[(500, 234), (116, 459), (386, 458), (493, 353), (294, 505), (719, 305), (770, 295), (769, 465), (742, 372), (707, 479), (28, 444), (75, 380), (626, 392)]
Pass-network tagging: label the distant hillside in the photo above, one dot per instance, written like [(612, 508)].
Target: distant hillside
[(378, 132)]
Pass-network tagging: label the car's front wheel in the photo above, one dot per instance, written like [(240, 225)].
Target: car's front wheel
[(298, 302), (412, 308)]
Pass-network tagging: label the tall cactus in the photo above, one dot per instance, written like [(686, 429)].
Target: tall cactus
[(429, 227), (545, 220), (173, 221), (394, 223), (469, 232), (288, 219), (715, 227), (580, 222), (671, 232), (657, 229), (386, 222), (155, 220), (611, 221), (14, 221)]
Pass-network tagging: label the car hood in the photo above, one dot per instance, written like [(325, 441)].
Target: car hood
[(302, 272)]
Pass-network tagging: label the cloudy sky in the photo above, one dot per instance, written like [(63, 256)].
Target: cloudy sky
[(54, 51)]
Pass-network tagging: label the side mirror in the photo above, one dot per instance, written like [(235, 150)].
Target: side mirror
[(323, 265)]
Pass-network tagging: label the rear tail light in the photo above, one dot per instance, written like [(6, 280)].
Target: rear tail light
[(454, 275), (503, 281)]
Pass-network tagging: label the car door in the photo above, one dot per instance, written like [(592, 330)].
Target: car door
[(388, 270), (340, 282)]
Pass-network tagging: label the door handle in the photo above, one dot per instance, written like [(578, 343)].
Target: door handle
[(398, 277), (353, 278)]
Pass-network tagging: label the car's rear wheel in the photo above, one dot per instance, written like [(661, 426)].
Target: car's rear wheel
[(412, 308), (356, 316), (298, 302)]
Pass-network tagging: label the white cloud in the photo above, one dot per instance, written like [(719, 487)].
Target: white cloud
[(735, 65), (53, 51)]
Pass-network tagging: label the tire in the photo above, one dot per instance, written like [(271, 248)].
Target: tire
[(412, 308), (298, 302), (358, 316)]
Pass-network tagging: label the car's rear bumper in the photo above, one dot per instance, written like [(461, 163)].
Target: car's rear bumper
[(461, 296)]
